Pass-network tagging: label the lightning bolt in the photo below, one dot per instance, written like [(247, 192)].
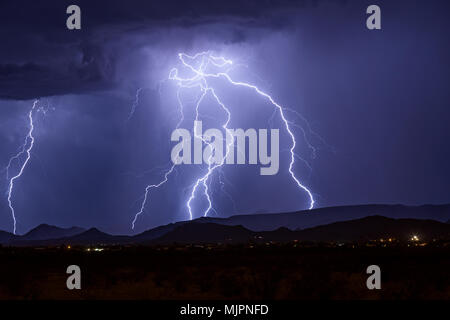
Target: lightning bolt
[(204, 180), (167, 173), (25, 149), (135, 104), (200, 80)]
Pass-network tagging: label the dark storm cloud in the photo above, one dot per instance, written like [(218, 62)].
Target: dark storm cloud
[(31, 80), (43, 58)]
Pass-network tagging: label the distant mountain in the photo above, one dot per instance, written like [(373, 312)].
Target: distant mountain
[(95, 236), (368, 228), (309, 218), (92, 236), (6, 237), (325, 224), (158, 231), (322, 216), (376, 227), (45, 232), (205, 233)]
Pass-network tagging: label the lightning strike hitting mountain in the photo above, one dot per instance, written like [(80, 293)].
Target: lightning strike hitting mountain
[(199, 80), (25, 150)]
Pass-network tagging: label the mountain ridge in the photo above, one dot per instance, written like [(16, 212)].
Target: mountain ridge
[(321, 216), (364, 229), (45, 231), (278, 226)]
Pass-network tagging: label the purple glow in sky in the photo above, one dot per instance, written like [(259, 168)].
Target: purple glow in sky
[(376, 105)]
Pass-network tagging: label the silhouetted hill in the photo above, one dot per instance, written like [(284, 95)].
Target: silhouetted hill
[(206, 233), (95, 236), (45, 232), (309, 218), (322, 216), (6, 237), (92, 236), (157, 232), (376, 227), (368, 228), (326, 224), (280, 235)]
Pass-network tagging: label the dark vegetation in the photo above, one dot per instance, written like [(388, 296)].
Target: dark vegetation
[(267, 271)]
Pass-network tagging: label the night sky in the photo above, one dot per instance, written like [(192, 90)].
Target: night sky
[(377, 103)]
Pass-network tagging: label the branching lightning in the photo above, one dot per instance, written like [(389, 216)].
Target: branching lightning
[(199, 79), (25, 149), (204, 180)]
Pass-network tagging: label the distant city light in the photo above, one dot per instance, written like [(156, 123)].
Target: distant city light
[(94, 249)]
